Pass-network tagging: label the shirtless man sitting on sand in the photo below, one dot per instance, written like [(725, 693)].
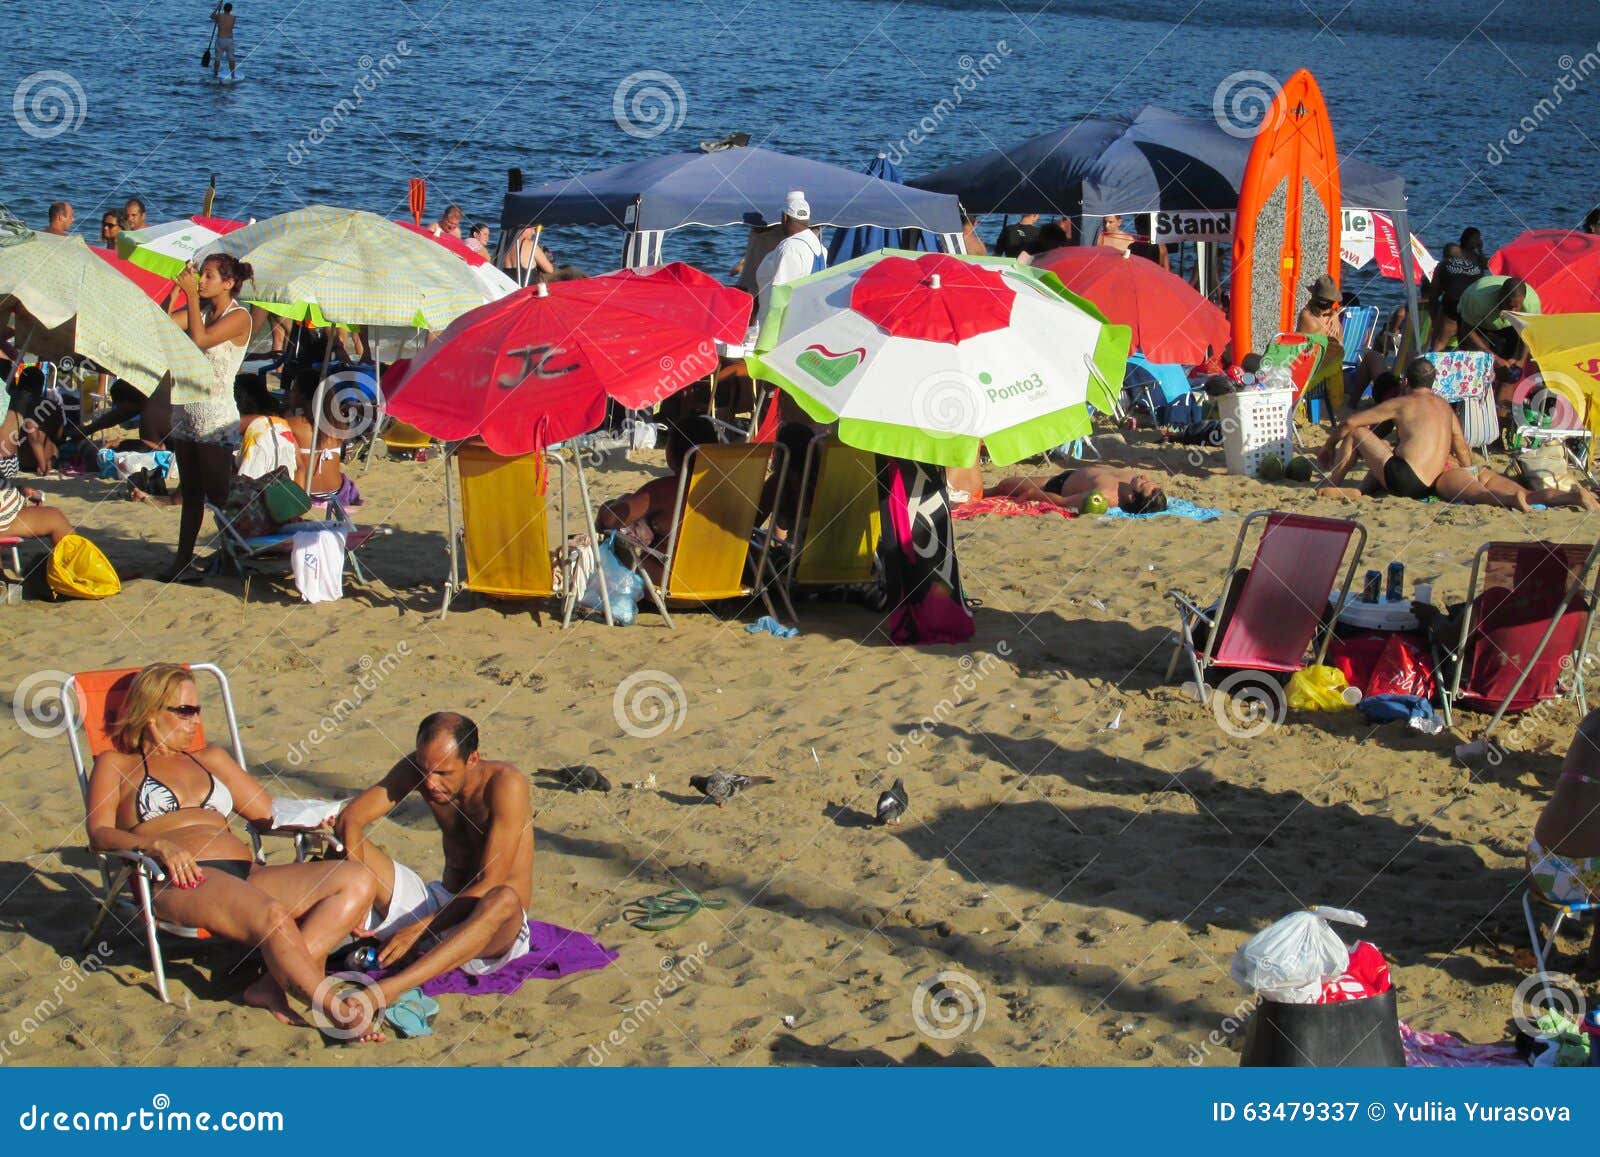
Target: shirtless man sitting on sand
[(475, 917), (1134, 492), (1423, 464)]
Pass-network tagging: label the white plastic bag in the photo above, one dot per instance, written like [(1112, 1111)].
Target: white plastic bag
[(1291, 960)]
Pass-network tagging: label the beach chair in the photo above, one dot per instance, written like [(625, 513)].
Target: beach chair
[(1465, 379), (708, 548), (91, 701), (1543, 946), (1266, 618), (501, 547), (271, 553), (836, 535), (1360, 327), (403, 440), (1529, 611)]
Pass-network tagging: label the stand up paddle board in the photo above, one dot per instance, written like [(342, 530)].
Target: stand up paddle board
[(1287, 229)]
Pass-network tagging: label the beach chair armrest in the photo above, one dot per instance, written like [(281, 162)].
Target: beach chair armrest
[(142, 862), (1187, 608)]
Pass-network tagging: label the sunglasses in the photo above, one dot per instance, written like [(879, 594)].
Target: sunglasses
[(186, 710), (104, 225)]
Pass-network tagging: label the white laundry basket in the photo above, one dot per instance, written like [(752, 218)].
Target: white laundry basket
[(1255, 423)]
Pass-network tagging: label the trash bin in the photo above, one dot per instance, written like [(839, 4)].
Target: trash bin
[(1343, 1034)]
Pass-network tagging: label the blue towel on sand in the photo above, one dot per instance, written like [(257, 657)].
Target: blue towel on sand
[(1181, 507), (771, 626)]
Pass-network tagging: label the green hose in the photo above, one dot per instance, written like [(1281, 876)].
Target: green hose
[(667, 910)]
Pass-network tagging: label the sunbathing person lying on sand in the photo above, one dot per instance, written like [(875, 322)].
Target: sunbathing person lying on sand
[(1564, 854), (476, 916), (153, 795), (1424, 462), (1134, 492)]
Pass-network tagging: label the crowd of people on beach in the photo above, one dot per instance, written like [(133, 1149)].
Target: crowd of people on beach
[(155, 794)]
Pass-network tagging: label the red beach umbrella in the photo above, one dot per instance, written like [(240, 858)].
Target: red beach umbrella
[(538, 366), (1562, 265), (1171, 322)]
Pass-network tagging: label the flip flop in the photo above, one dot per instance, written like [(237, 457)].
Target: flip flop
[(410, 1016)]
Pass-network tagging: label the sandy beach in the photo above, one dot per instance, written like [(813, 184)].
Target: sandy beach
[(1088, 884)]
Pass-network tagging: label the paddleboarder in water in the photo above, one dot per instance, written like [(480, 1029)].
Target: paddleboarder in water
[(224, 19)]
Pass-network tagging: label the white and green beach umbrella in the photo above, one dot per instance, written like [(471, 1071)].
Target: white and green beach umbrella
[(350, 267), (924, 356), (72, 297), (168, 247)]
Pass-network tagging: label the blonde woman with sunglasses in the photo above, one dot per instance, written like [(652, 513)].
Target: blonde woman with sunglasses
[(153, 794)]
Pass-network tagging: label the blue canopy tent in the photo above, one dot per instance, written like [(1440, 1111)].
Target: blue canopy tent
[(734, 186), (1149, 161), (864, 239)]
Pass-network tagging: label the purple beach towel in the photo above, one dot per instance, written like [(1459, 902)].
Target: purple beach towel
[(553, 952)]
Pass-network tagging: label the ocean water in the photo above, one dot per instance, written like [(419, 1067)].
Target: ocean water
[(1489, 108)]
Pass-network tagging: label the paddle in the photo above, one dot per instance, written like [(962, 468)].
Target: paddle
[(211, 197), (418, 199), (205, 57)]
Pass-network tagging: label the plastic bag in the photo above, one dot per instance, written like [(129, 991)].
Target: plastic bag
[(1291, 960), (78, 569), (1318, 688), (623, 586)]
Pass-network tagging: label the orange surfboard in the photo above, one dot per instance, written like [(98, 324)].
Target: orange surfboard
[(1286, 232)]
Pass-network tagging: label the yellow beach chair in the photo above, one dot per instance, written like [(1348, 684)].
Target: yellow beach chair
[(719, 497), (401, 440), (836, 536), (503, 537)]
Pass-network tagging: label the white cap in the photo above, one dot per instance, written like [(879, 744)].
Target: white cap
[(795, 206)]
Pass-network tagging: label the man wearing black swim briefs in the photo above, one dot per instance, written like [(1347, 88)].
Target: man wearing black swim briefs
[(1431, 459)]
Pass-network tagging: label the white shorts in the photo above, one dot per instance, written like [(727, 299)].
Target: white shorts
[(414, 900)]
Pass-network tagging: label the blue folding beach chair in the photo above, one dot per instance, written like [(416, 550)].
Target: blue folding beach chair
[(1360, 327)]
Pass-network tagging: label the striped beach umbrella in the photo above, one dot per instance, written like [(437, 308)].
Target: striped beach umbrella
[(925, 356), (65, 287), (348, 267), (166, 248)]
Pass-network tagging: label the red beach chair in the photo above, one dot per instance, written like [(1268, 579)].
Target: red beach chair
[(1530, 608), (1268, 614)]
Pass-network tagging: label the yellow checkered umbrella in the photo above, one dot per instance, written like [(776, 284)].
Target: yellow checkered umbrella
[(349, 267), (62, 287)]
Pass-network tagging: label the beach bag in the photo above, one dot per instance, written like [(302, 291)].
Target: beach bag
[(1318, 688), (1291, 960), (78, 569)]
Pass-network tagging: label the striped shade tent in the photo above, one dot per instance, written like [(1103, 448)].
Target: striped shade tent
[(166, 248), (84, 303), (925, 356), (348, 267)]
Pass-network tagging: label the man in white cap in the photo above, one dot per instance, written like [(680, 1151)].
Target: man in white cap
[(799, 254)]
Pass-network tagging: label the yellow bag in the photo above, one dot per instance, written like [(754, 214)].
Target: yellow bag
[(78, 569), (1317, 688)]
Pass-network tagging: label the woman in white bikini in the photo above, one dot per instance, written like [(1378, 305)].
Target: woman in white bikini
[(204, 433), (153, 794)]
